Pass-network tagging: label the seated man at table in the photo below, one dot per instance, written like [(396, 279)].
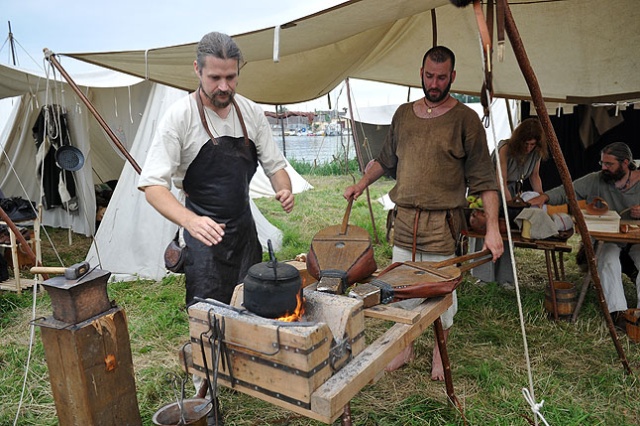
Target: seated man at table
[(617, 184)]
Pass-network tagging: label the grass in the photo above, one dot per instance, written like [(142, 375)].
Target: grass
[(575, 367)]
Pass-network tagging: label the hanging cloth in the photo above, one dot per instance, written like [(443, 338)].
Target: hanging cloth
[(50, 132)]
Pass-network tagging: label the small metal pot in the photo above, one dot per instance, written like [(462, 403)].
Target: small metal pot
[(271, 289)]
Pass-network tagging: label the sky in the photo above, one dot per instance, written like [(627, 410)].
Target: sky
[(77, 26)]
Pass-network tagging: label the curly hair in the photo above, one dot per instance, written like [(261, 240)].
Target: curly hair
[(528, 129)]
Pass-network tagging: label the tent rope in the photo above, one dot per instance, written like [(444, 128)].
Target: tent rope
[(535, 407), (531, 392), (32, 332)]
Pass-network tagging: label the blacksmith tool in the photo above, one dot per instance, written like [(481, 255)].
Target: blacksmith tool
[(72, 272), (407, 280)]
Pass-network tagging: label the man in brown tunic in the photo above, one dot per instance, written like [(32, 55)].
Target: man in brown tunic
[(436, 150)]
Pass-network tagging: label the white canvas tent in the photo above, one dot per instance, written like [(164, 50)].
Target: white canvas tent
[(132, 235), (582, 51)]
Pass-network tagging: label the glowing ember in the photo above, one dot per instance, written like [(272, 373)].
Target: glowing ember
[(297, 313)]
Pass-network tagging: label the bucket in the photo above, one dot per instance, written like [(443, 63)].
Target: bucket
[(169, 415), (566, 298), (633, 324)]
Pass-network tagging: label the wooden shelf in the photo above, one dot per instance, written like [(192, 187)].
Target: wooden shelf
[(11, 285)]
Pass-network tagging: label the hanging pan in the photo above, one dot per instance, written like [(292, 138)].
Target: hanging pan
[(69, 158)]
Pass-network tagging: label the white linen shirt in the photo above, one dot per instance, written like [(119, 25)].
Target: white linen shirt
[(181, 135)]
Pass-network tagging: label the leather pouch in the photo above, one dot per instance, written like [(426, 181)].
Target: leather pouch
[(174, 255)]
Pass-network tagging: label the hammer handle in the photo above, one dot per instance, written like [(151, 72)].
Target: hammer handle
[(47, 270)]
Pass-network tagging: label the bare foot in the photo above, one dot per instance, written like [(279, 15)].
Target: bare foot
[(406, 356), (437, 369)]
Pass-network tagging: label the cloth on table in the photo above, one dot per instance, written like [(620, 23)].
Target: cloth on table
[(542, 225)]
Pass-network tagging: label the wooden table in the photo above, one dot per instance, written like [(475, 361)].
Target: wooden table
[(631, 237), (550, 248)]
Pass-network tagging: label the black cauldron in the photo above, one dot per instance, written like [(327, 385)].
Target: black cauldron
[(271, 289)]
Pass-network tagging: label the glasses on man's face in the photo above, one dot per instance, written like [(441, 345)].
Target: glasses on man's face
[(607, 164)]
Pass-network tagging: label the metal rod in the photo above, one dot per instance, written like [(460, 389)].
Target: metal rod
[(50, 56)]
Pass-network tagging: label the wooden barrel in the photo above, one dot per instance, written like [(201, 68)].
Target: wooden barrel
[(566, 298), (633, 324)]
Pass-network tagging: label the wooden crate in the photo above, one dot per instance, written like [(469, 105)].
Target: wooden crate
[(609, 222), (284, 362)]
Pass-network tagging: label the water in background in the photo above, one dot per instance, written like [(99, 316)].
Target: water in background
[(316, 149)]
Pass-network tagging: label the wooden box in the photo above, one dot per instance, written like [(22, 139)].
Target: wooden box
[(608, 222), (278, 361)]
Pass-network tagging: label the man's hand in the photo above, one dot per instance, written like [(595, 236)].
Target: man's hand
[(492, 238), (493, 242), (285, 196), (202, 228), (539, 201), (352, 192), (205, 229)]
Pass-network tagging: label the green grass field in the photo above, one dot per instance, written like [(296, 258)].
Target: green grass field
[(574, 366)]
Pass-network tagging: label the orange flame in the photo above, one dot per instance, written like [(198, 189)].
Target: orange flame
[(297, 313)]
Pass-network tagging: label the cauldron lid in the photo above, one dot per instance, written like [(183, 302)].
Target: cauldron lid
[(273, 270)]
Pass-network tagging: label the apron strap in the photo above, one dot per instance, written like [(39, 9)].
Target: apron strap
[(204, 121), (206, 126), (244, 127)]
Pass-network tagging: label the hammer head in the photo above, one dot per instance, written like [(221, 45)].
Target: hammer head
[(76, 271)]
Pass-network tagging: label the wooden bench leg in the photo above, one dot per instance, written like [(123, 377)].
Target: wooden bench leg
[(346, 415), (552, 287), (442, 345)]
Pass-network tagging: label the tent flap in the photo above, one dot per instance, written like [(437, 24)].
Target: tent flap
[(577, 48)]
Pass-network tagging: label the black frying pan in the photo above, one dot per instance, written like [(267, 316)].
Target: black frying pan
[(69, 158)]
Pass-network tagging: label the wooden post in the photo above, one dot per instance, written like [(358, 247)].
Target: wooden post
[(88, 353), (554, 145), (91, 371)]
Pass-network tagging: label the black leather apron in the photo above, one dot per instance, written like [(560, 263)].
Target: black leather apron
[(217, 185)]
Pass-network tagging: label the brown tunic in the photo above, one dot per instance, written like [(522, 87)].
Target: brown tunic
[(434, 161)]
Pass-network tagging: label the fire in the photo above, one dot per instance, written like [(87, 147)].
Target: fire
[(297, 313)]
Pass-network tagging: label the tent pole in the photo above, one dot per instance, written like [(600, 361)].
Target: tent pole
[(543, 115), (360, 162), (281, 120), (50, 56)]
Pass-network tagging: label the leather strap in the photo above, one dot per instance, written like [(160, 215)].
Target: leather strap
[(500, 6), (487, 86), (203, 119), (415, 235), (206, 126)]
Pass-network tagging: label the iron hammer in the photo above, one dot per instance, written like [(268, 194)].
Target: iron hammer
[(72, 272)]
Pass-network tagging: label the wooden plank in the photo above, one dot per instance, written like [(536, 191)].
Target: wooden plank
[(330, 398), (391, 313)]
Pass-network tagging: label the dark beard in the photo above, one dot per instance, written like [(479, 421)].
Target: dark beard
[(609, 177), (438, 98), (217, 103)]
